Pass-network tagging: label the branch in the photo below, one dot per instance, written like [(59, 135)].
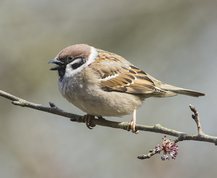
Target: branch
[(180, 136), (170, 147)]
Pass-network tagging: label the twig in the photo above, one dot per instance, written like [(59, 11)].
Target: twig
[(180, 136), (151, 153), (168, 147), (196, 118)]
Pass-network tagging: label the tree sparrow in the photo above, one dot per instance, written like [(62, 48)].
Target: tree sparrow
[(102, 83)]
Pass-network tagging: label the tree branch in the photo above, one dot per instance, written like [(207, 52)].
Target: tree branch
[(180, 136)]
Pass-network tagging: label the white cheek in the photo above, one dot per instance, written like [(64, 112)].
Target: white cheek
[(71, 72)]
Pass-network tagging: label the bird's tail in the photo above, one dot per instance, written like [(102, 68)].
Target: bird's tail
[(173, 90)]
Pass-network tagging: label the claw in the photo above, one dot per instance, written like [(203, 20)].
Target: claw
[(89, 121)]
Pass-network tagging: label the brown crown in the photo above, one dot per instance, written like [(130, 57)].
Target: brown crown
[(78, 50)]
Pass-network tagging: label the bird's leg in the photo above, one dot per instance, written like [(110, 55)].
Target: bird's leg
[(88, 119), (133, 123)]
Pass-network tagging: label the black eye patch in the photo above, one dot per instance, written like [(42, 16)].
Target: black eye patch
[(77, 63)]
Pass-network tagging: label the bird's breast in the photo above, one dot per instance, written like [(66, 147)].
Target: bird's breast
[(93, 100)]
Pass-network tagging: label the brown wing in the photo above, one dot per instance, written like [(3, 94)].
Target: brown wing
[(117, 74)]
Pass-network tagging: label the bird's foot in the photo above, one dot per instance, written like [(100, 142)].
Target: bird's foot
[(88, 119), (132, 124), (132, 127)]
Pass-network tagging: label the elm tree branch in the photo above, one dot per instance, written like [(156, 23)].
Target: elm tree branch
[(53, 109)]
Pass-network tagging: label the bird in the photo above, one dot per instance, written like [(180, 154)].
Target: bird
[(102, 83)]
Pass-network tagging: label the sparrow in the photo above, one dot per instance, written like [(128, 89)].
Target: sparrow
[(102, 83)]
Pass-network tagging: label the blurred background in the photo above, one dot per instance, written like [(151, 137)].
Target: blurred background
[(174, 40)]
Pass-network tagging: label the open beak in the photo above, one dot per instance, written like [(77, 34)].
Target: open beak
[(56, 62)]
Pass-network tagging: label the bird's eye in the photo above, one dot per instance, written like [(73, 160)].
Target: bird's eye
[(77, 63), (69, 59)]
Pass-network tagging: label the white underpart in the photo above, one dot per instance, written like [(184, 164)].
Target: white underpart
[(92, 57)]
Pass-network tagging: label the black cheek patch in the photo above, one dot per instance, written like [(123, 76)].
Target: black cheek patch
[(78, 63)]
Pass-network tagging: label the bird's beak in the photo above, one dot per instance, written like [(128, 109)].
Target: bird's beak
[(57, 62)]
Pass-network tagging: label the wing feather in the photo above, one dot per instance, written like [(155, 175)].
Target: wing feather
[(117, 74)]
